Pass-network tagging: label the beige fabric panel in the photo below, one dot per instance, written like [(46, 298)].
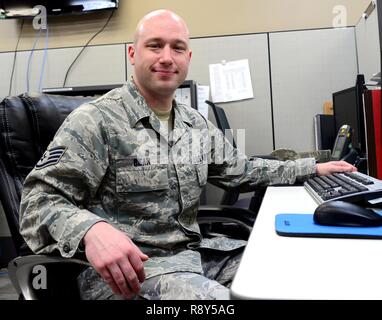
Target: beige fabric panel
[(6, 61), (368, 47), (307, 67), (252, 115), (97, 65)]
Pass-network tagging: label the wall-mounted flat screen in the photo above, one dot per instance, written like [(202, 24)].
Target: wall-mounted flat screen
[(27, 8)]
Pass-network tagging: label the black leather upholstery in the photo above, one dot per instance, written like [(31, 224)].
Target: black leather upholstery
[(27, 124)]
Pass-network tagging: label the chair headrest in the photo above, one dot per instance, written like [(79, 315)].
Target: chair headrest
[(27, 125), (47, 112)]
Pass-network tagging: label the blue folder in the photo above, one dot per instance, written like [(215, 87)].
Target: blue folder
[(302, 225)]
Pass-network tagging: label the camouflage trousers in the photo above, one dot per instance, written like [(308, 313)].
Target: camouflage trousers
[(219, 268)]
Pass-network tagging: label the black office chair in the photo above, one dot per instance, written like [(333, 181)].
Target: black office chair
[(231, 196), (222, 122), (27, 124)]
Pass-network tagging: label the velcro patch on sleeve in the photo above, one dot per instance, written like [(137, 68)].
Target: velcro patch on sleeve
[(50, 157)]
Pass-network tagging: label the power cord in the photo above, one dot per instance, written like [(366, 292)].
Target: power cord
[(43, 62), (69, 69), (44, 59), (14, 57), (30, 58)]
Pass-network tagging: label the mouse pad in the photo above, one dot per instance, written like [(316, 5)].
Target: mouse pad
[(302, 225)]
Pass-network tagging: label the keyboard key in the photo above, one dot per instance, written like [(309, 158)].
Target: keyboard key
[(315, 186), (362, 180), (330, 182), (322, 183)]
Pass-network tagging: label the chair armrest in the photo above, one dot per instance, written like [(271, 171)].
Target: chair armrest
[(227, 215), (21, 272), (264, 156)]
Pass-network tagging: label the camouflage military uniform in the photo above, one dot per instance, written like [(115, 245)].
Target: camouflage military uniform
[(110, 161)]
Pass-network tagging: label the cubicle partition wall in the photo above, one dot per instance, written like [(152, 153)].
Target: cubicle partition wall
[(307, 67), (97, 65), (368, 45), (253, 115)]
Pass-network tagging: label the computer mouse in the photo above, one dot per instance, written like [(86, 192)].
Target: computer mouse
[(340, 213)]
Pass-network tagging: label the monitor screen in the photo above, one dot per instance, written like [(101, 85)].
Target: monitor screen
[(348, 109), (25, 8)]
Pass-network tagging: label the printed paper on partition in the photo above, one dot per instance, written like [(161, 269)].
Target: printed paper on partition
[(230, 81)]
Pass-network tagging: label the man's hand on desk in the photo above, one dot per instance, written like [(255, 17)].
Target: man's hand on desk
[(324, 169), (116, 258)]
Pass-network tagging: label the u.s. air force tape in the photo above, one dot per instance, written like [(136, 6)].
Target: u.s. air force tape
[(50, 157)]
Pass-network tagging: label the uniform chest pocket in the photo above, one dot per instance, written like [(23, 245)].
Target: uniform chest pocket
[(130, 178)]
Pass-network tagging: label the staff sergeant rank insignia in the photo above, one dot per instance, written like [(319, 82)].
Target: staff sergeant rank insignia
[(50, 157)]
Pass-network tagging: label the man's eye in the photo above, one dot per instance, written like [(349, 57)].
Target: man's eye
[(179, 48), (153, 45)]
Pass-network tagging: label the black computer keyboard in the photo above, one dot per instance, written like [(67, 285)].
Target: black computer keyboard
[(351, 187)]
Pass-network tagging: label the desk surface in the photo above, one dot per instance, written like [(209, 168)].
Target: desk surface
[(276, 267)]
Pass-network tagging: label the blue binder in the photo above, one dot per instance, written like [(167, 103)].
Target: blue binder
[(302, 225)]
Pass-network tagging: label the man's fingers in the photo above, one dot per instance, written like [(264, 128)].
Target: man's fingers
[(130, 277), (137, 265), (120, 280), (333, 167), (346, 166), (142, 256), (116, 258), (110, 281)]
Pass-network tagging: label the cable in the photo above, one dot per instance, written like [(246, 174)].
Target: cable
[(30, 58), (14, 57), (67, 72), (44, 59)]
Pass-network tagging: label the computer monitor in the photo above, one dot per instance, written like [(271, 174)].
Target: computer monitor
[(82, 90), (187, 94), (348, 109)]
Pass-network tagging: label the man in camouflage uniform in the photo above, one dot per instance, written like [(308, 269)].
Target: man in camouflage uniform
[(122, 178)]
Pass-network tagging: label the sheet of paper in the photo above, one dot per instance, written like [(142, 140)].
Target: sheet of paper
[(203, 95), (230, 81)]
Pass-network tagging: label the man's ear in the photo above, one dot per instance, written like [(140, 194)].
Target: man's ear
[(131, 54)]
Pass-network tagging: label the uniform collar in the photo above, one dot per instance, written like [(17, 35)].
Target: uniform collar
[(135, 105), (132, 97)]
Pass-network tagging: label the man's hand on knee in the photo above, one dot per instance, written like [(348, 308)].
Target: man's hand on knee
[(116, 258)]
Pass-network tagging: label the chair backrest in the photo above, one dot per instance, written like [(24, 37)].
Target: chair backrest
[(28, 123), (231, 197), (222, 121)]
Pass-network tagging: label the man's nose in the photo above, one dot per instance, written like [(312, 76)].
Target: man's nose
[(166, 55)]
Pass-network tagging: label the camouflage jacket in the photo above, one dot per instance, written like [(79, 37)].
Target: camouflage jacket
[(110, 161)]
